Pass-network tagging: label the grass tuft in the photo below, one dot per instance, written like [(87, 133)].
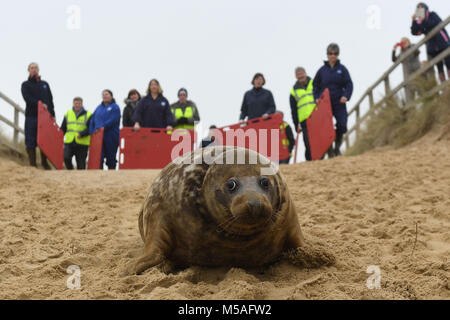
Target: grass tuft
[(393, 125)]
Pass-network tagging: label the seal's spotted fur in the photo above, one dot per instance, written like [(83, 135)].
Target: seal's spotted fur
[(190, 218)]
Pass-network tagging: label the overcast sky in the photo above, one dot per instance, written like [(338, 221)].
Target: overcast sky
[(213, 48)]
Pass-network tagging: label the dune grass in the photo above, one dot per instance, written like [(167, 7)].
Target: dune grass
[(5, 151), (394, 125)]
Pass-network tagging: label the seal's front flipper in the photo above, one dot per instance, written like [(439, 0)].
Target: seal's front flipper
[(148, 261), (308, 256), (157, 239)]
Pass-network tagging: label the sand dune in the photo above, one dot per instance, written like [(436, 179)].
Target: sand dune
[(364, 208)]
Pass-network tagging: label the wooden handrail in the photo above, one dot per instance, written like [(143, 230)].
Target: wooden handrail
[(402, 58), (385, 78), (12, 124), (414, 76), (12, 103), (15, 125)]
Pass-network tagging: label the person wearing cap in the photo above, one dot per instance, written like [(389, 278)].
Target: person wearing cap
[(258, 102), (76, 134), (423, 22), (335, 76), (302, 104), (184, 111)]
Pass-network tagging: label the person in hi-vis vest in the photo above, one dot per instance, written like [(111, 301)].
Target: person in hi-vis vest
[(302, 105), (76, 135), (185, 111), (289, 141)]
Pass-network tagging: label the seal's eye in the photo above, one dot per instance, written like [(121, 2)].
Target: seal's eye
[(231, 185), (264, 183)]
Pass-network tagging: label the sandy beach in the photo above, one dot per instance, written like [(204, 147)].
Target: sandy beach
[(366, 209)]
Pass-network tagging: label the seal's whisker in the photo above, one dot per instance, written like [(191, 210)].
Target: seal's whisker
[(225, 224)]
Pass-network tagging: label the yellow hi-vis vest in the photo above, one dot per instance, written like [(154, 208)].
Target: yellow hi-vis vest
[(188, 113), (75, 126), (284, 141), (305, 101)]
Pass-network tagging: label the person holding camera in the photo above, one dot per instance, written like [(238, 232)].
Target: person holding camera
[(423, 22), (410, 64)]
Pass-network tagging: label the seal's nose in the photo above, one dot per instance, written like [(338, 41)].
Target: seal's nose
[(254, 204)]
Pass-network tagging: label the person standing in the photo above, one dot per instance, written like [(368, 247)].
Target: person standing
[(302, 104), (209, 141), (34, 90), (76, 134), (410, 64), (153, 111), (423, 22), (131, 103), (335, 76), (185, 111), (107, 115), (258, 102), (289, 141)]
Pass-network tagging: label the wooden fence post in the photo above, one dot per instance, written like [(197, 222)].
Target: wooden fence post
[(16, 123), (358, 127), (387, 85)]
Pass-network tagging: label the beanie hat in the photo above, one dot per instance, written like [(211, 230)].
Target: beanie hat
[(423, 5), (182, 90)]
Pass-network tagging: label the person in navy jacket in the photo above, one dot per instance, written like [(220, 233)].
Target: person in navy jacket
[(153, 111), (258, 102), (33, 91), (107, 115), (335, 76), (423, 25)]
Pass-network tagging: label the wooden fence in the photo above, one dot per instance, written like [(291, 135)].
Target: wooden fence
[(13, 124), (389, 92)]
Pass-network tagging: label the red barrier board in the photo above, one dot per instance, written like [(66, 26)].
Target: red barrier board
[(50, 137), (262, 135), (95, 150), (151, 148), (321, 133)]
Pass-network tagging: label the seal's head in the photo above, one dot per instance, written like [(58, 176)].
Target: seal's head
[(241, 196)]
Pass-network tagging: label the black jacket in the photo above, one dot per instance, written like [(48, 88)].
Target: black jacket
[(440, 41), (257, 102), (34, 90), (290, 137), (128, 113), (84, 133), (154, 113), (206, 142)]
